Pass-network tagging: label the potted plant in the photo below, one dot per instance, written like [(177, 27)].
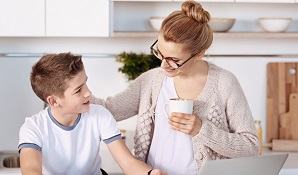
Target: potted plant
[(135, 64)]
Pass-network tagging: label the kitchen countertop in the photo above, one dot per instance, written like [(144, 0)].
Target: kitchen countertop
[(10, 171), (291, 165)]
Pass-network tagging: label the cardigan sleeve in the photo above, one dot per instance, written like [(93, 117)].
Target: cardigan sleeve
[(126, 103), (239, 138)]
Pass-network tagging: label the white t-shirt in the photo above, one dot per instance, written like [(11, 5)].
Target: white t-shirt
[(170, 151), (69, 150)]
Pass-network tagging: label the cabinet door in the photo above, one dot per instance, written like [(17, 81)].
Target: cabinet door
[(207, 0), (82, 18), (266, 1), (144, 0), (22, 17)]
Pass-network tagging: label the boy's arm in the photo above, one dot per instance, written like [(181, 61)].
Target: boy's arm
[(127, 162), (30, 160)]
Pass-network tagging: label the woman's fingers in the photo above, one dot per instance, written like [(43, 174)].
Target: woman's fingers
[(187, 123)]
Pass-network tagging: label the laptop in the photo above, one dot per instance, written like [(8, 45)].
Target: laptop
[(254, 165)]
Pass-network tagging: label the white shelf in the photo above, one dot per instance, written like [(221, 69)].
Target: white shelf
[(220, 35)]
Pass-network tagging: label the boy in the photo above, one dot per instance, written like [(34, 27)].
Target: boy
[(65, 138)]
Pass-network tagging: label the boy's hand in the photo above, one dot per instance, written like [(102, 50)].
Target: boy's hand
[(157, 172)]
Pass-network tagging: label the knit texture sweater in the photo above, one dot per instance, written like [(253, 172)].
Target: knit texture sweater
[(228, 129)]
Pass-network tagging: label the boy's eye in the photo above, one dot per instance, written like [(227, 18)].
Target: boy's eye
[(78, 91)]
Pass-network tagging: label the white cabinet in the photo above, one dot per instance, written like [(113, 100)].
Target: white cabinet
[(67, 18), (72, 18), (215, 0), (267, 1), (144, 0), (207, 0), (22, 18)]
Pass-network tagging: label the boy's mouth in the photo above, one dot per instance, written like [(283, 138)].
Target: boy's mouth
[(87, 103)]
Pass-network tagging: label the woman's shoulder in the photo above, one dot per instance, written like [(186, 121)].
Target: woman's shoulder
[(154, 74), (222, 74), (226, 81), (155, 71)]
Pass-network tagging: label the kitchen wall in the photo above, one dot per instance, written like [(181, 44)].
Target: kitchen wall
[(17, 101)]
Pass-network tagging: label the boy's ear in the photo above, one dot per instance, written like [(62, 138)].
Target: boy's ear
[(53, 101)]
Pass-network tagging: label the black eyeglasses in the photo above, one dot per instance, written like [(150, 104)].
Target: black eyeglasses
[(169, 60)]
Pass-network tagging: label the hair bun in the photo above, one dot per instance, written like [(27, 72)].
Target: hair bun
[(195, 10)]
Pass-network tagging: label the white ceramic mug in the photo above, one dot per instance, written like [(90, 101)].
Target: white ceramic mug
[(178, 105)]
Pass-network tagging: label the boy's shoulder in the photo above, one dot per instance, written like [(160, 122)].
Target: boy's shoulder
[(97, 110), (36, 123), (38, 118)]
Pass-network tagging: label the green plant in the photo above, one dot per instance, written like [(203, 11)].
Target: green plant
[(135, 64)]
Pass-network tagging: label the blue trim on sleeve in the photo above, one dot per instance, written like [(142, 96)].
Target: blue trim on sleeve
[(109, 140), (29, 145)]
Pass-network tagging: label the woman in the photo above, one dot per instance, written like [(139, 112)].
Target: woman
[(221, 125)]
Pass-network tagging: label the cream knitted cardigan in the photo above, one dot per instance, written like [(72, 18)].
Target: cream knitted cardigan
[(228, 129)]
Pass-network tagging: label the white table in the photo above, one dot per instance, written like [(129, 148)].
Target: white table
[(290, 167)]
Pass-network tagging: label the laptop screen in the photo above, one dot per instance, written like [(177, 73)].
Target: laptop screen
[(254, 165)]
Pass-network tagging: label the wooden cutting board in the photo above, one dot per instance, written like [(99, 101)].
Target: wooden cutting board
[(289, 121), (282, 80), (284, 145)]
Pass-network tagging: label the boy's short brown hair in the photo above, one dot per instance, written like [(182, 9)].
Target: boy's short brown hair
[(51, 74)]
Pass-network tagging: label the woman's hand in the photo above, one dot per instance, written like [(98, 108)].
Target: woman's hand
[(187, 123)]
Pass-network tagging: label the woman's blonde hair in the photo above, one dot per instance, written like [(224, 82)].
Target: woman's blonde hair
[(188, 26)]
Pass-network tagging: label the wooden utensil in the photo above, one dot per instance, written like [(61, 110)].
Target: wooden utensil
[(289, 120), (283, 145), (282, 80)]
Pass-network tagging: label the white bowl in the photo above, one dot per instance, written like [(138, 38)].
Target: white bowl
[(275, 24), (221, 24), (156, 22)]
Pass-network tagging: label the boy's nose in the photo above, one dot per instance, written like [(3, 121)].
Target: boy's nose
[(88, 92)]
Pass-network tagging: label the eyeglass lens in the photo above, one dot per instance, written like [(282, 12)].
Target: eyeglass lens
[(168, 60)]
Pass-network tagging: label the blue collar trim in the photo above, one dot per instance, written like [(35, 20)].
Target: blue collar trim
[(66, 128)]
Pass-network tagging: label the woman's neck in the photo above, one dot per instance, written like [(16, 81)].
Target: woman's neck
[(197, 71), (191, 84)]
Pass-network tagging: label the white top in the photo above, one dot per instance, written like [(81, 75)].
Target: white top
[(69, 150), (171, 151)]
